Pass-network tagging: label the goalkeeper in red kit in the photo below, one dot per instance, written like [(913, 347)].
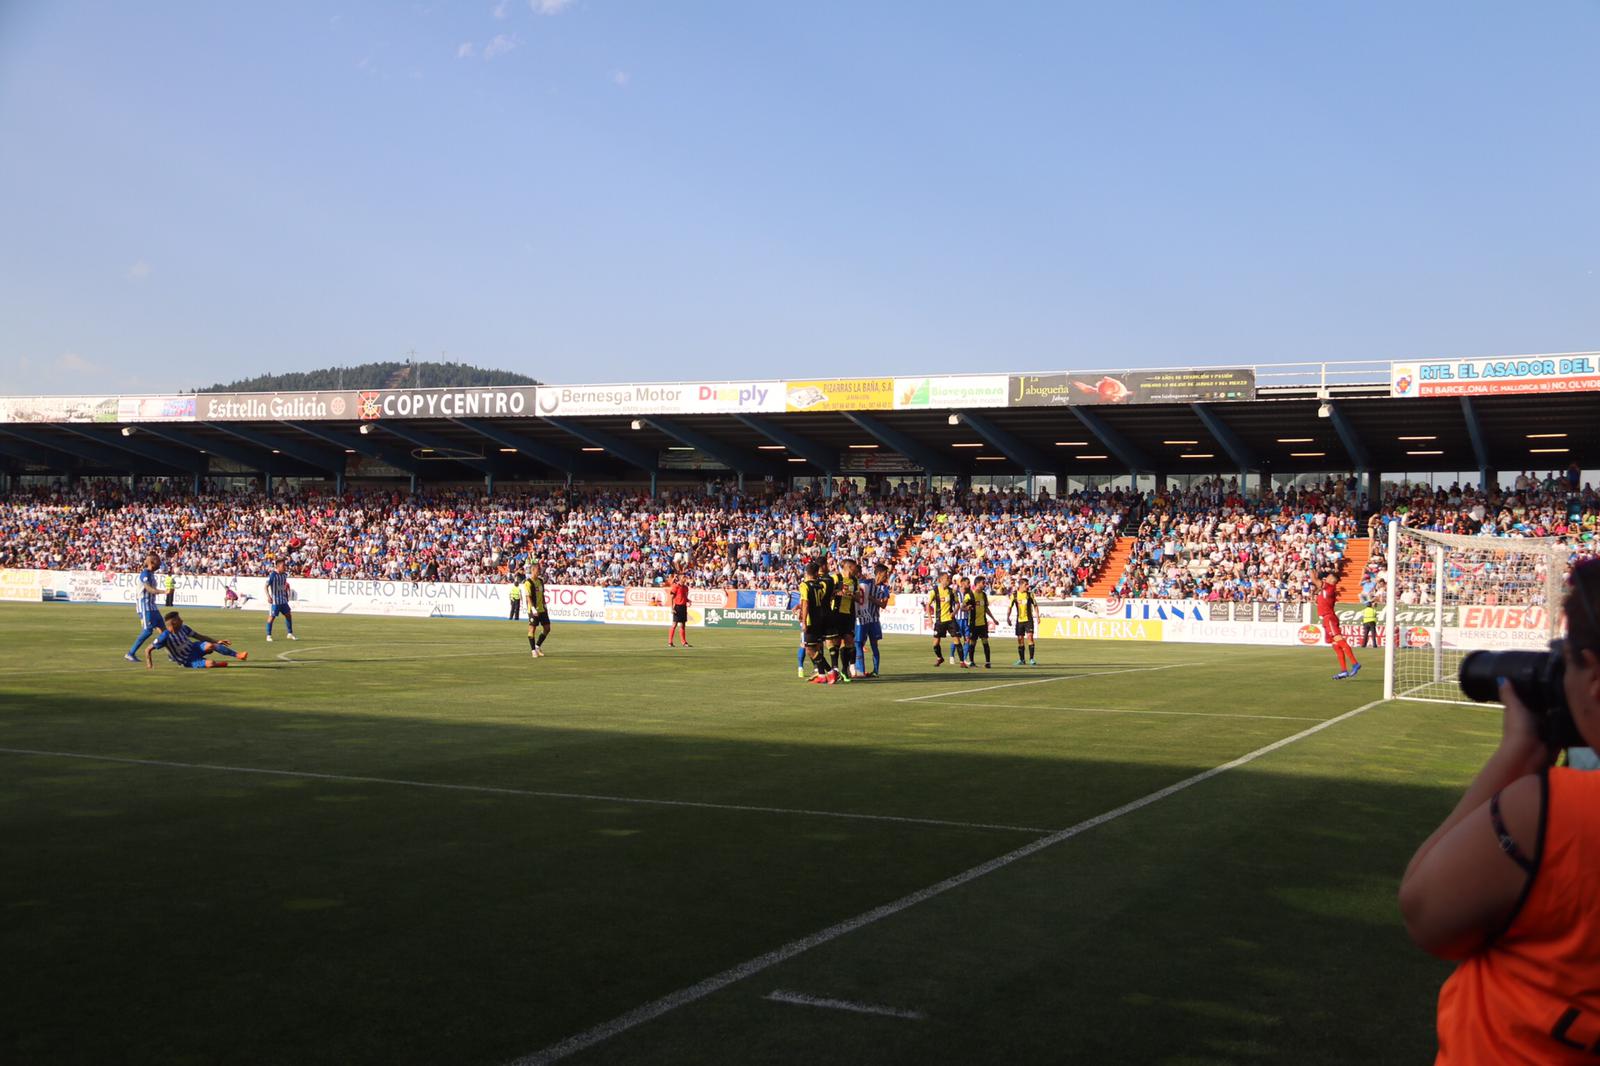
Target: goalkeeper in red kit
[(1332, 632)]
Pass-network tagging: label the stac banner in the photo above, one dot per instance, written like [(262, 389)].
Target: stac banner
[(1574, 372), (1132, 386)]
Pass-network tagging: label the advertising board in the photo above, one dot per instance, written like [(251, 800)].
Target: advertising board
[(1131, 386), (750, 618), (687, 397), (1573, 372), (840, 394), (985, 390)]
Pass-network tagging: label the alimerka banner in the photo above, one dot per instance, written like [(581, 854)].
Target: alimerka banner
[(1132, 386), (1576, 372)]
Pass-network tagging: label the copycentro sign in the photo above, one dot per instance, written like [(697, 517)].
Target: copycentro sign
[(367, 405)]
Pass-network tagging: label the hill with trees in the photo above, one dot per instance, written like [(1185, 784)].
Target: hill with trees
[(390, 375)]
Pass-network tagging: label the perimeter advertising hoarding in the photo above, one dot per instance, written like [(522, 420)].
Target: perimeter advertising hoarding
[(750, 618), (367, 405), (1576, 372), (1131, 386), (680, 398), (840, 394), (912, 394), (58, 408), (156, 409)]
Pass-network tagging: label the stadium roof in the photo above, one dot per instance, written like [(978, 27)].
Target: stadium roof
[(1532, 412)]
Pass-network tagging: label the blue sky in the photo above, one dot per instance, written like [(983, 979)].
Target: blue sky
[(604, 191)]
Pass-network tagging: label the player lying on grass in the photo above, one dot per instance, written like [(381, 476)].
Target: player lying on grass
[(188, 648)]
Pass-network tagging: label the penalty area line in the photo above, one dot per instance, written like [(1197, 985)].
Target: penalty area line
[(1042, 681), (800, 999), (638, 801), (717, 982)]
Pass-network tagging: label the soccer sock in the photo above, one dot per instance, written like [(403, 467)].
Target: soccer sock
[(938, 650), (820, 663), (833, 656), (288, 623), (269, 627), (858, 654), (223, 649), (539, 643), (874, 656), (848, 654), (986, 653), (1339, 651), (142, 638), (800, 660), (531, 644), (1030, 652)]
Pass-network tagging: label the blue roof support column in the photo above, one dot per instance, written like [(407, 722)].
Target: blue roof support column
[(903, 443), (1237, 450), (546, 453), (1120, 446), (362, 443), (159, 453), (423, 439), (1013, 447), (332, 462), (627, 451), (803, 447), (1349, 437), (1480, 448), (254, 458), (735, 459)]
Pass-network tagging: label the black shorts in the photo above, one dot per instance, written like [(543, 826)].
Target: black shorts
[(842, 626), (540, 619), (1024, 629), (815, 634), (979, 633), (944, 629), (680, 613)]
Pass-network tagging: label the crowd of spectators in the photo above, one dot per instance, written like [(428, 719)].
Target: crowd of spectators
[(1210, 541), (1213, 542), (717, 538), (1556, 508)]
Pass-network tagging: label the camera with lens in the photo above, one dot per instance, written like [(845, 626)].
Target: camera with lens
[(1536, 677)]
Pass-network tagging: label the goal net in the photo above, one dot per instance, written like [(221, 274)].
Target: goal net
[(1446, 595)]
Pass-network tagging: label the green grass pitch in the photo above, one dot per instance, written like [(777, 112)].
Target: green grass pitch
[(180, 908)]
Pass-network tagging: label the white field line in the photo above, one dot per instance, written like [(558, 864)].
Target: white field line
[(715, 983), (537, 793), (1042, 681), (1121, 710), (778, 995)]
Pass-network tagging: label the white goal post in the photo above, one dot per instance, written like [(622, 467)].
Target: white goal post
[(1445, 595)]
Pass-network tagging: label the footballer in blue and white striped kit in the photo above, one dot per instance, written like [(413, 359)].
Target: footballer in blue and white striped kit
[(144, 605), (187, 648), (278, 597)]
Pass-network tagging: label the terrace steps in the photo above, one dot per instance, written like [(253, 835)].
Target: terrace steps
[(1116, 564), (1357, 552)]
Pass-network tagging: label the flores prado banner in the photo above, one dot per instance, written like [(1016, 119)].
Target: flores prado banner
[(1576, 372), (688, 398)]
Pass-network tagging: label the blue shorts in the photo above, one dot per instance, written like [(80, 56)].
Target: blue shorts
[(964, 628), (280, 608), (195, 664), (866, 631), (152, 621)]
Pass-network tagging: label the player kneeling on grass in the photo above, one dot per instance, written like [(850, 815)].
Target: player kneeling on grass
[(188, 648)]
